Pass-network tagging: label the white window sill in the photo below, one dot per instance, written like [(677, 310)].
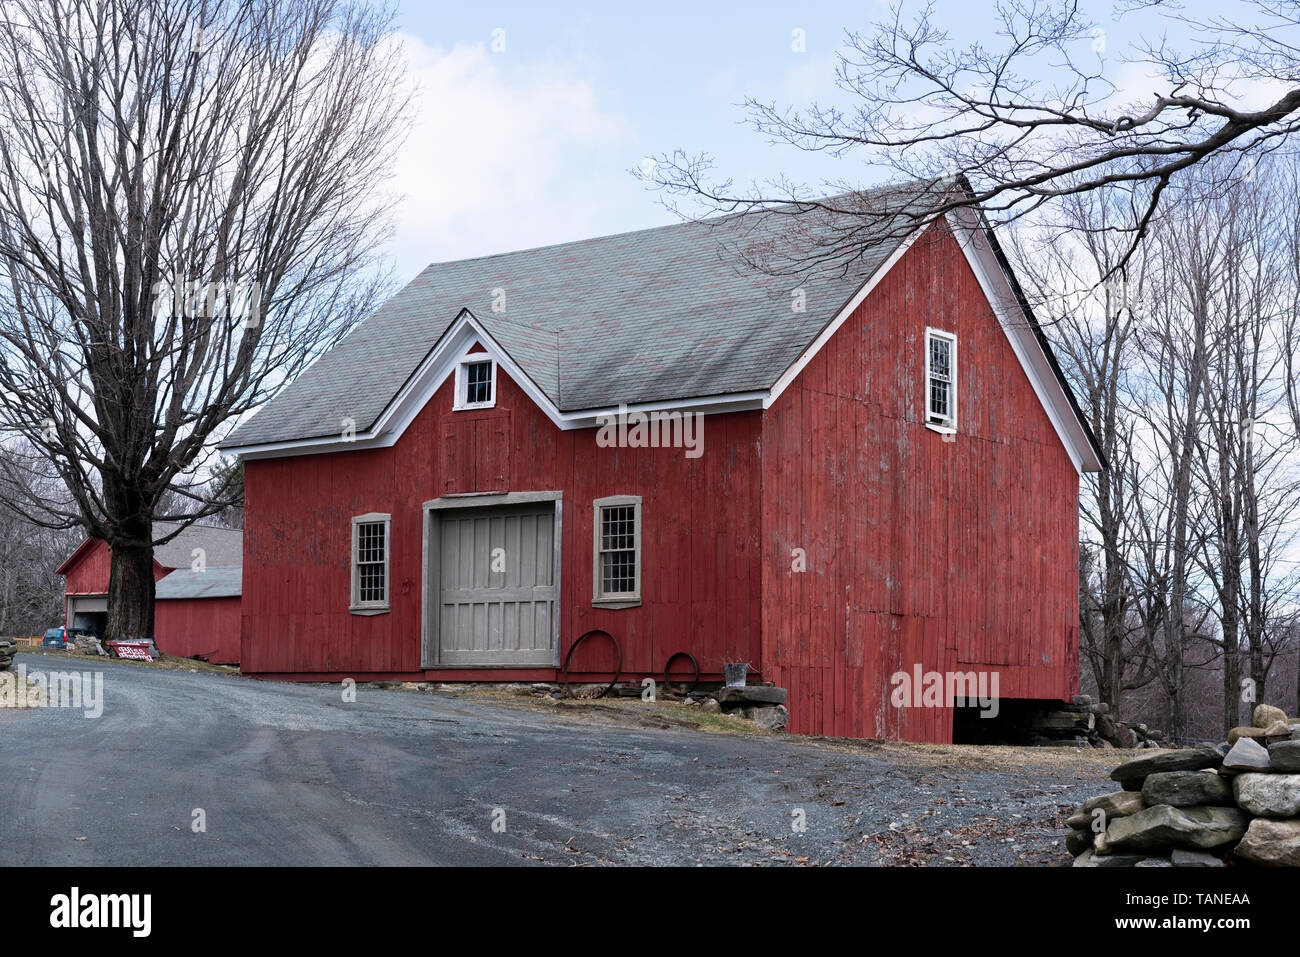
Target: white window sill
[(613, 604), (941, 429), (470, 406), (368, 610)]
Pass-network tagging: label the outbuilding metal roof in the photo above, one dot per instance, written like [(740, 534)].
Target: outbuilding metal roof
[(221, 546)]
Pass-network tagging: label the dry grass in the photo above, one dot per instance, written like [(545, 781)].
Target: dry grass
[(166, 662), (666, 714), (985, 757), (662, 714)]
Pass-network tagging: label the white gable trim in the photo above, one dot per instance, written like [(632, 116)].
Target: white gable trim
[(445, 357), (970, 231), (841, 317), (440, 365)]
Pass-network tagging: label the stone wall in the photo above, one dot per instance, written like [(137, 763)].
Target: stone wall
[(1238, 802)]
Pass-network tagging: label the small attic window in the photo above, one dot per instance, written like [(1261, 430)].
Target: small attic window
[(476, 382)]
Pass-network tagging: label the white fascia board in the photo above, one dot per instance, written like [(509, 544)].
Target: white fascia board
[(969, 230), (455, 343), (437, 367), (440, 364), (709, 405)]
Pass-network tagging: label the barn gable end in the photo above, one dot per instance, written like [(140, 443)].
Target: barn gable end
[(952, 552)]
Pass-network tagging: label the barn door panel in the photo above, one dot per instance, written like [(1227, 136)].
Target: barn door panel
[(492, 454), (457, 465), (475, 453), (497, 601)]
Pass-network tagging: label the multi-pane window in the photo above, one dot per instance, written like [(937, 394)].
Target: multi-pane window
[(370, 562), (941, 379), (371, 549), (618, 549), (476, 383)]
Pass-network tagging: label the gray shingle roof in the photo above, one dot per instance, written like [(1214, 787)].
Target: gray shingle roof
[(213, 582), (221, 546), (669, 313)]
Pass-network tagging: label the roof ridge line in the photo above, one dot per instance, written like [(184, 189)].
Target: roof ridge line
[(712, 220)]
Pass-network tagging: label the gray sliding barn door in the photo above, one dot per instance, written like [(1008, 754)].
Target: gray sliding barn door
[(497, 599)]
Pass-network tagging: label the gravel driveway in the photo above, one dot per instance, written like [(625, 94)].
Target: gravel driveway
[(283, 773)]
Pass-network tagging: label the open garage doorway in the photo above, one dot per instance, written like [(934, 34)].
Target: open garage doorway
[(88, 612)]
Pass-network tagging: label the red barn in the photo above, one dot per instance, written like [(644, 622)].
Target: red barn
[(873, 470), (196, 612)]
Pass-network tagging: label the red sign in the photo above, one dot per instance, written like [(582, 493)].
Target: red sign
[(137, 650)]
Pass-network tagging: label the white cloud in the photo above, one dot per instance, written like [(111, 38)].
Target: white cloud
[(502, 156)]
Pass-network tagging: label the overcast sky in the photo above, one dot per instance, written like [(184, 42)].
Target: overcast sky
[(533, 144)]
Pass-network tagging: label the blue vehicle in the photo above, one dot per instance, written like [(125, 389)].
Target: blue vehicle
[(62, 637)]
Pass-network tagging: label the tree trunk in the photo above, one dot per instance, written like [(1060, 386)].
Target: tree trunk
[(130, 587), (1113, 613), (1112, 607), (1231, 676)]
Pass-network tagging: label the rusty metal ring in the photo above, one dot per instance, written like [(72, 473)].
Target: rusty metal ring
[(668, 685), (618, 669)]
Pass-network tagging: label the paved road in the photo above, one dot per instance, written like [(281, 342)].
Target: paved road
[(291, 774)]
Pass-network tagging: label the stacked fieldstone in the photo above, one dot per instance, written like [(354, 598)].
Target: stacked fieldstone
[(88, 645), (1110, 732), (762, 704), (1200, 807), (8, 648)]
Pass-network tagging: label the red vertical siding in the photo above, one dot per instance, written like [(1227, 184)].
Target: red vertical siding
[(952, 555), (208, 627), (88, 574), (700, 571), (948, 555)]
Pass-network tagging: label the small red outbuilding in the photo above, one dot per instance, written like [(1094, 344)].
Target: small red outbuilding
[(197, 593)]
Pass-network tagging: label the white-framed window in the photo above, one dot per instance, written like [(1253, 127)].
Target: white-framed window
[(617, 551), (370, 550), (476, 382), (941, 380)]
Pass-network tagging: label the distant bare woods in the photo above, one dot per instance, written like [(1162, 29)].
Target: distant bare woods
[(1184, 361)]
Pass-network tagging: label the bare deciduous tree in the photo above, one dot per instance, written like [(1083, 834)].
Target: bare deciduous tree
[(31, 594), (190, 208), (1205, 472), (1027, 120), (1095, 322)]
